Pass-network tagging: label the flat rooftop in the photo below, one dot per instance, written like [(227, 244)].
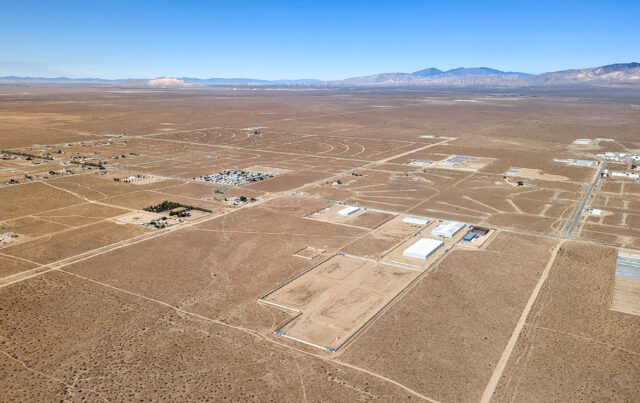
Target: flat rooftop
[(415, 220), (349, 211), (423, 248)]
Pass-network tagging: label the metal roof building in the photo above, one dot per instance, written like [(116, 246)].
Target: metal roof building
[(469, 236), (626, 284), (423, 248), (349, 211), (415, 220), (581, 163), (628, 264), (448, 229), (585, 163)]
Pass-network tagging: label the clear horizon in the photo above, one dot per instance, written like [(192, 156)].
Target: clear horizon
[(307, 40)]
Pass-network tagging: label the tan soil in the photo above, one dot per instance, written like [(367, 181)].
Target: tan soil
[(81, 214), (563, 339), (309, 252), (10, 266), (456, 320), (626, 295), (32, 226), (337, 297), (535, 174), (527, 222), (68, 338), (72, 242), (287, 182), (371, 219), (100, 336), (33, 198)]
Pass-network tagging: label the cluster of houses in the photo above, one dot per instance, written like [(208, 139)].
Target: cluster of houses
[(234, 177), (619, 157), (620, 174), (8, 236)]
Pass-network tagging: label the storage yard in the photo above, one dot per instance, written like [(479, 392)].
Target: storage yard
[(313, 246)]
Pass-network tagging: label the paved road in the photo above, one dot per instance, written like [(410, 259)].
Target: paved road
[(585, 199)]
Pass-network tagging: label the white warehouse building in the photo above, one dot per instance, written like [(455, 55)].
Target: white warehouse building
[(349, 211), (448, 229), (423, 248), (415, 220)]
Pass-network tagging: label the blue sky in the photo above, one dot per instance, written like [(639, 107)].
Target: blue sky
[(309, 39)]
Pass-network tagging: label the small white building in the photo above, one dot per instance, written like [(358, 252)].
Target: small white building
[(448, 229), (582, 163), (614, 156), (423, 248), (619, 174), (415, 220), (585, 163), (582, 141), (349, 211)]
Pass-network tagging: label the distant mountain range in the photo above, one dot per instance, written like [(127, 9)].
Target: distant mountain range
[(432, 76), (613, 74), (622, 73)]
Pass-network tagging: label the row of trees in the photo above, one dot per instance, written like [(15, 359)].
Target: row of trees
[(27, 155), (169, 205), (88, 164)]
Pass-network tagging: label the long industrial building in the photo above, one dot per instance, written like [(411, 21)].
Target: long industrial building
[(415, 220), (349, 211), (423, 248), (448, 229)]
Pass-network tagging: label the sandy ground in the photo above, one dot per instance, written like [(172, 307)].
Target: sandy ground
[(534, 174), (96, 309), (457, 319), (576, 351), (337, 297)]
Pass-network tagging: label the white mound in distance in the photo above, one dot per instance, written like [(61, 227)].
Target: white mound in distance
[(165, 82)]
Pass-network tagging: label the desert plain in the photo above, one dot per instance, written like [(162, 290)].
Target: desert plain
[(124, 275)]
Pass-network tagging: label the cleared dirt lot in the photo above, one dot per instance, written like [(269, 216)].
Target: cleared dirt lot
[(337, 297)]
